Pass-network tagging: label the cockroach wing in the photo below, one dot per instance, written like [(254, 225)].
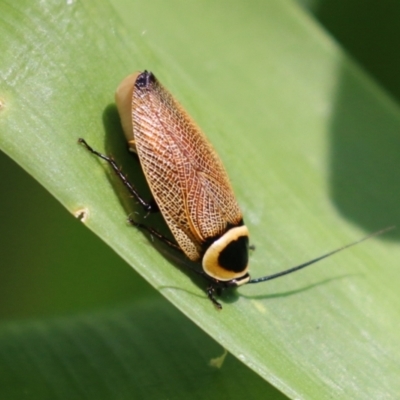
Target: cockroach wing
[(185, 175)]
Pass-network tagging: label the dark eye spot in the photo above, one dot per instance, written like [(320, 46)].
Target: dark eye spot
[(234, 257)]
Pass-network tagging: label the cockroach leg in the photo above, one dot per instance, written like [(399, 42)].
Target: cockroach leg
[(211, 290), (210, 294), (149, 206), (155, 233)]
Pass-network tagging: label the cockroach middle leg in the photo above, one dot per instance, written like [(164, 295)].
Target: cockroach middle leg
[(210, 289), (149, 206), (155, 233)]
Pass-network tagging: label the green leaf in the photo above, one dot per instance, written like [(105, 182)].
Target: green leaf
[(120, 354), (310, 144)]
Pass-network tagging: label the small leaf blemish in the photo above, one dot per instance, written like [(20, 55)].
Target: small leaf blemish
[(82, 214)]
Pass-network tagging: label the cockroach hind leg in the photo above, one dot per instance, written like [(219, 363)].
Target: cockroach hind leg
[(211, 290)]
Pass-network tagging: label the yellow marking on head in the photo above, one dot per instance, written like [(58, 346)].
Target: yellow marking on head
[(211, 259)]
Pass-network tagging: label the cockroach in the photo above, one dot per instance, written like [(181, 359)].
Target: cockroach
[(189, 185)]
